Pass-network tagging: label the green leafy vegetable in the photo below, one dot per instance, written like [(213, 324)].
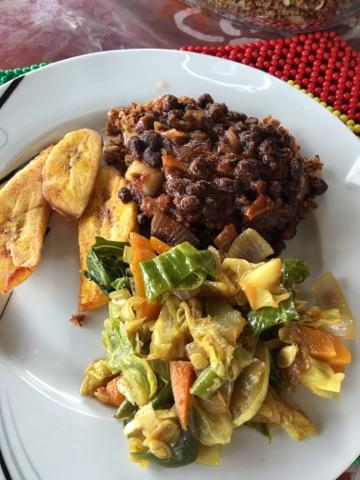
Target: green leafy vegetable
[(293, 271), (229, 321), (183, 452), (242, 358), (138, 382), (125, 410), (116, 342), (206, 383), (105, 264), (181, 268), (161, 368), (267, 317), (162, 397)]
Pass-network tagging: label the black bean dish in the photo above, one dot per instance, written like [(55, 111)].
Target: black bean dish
[(203, 173)]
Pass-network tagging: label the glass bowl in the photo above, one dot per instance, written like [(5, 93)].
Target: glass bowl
[(283, 15)]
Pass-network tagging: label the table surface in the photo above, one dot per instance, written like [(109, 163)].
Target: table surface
[(35, 31)]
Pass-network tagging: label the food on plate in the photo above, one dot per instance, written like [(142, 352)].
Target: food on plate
[(202, 173), (105, 216), (70, 172), (24, 216), (224, 342)]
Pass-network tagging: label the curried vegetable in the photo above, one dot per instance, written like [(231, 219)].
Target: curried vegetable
[(267, 317), (250, 246), (251, 387), (181, 268), (182, 377), (328, 295), (223, 343), (105, 264), (293, 271)]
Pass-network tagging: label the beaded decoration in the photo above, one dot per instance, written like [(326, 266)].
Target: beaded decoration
[(320, 64)]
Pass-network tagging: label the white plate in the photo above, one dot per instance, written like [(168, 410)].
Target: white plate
[(47, 430)]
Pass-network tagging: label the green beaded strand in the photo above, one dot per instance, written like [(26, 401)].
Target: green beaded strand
[(8, 74)]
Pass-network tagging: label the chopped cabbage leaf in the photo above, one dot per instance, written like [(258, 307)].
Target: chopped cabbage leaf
[(205, 333), (277, 411), (251, 387), (138, 382), (213, 421), (229, 321), (262, 285), (169, 333), (267, 317), (96, 375), (321, 379)]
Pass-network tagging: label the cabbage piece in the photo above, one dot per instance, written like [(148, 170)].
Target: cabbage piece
[(229, 322), (242, 358), (183, 267), (213, 421), (321, 379), (138, 382), (169, 333), (221, 286), (161, 368), (155, 435), (267, 317), (251, 387), (125, 330), (262, 285), (205, 333), (328, 296), (277, 411), (95, 376)]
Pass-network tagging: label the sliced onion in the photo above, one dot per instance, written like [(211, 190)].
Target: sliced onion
[(250, 246), (328, 295), (170, 231)]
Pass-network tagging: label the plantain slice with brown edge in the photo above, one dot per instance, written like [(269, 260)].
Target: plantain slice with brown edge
[(70, 172), (24, 216), (108, 217)]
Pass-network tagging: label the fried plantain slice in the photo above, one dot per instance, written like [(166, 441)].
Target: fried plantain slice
[(108, 217), (70, 172), (24, 216)]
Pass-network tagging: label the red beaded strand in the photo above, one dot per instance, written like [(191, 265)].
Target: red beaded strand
[(321, 64)]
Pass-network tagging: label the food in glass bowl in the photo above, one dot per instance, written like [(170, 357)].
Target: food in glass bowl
[(292, 15)]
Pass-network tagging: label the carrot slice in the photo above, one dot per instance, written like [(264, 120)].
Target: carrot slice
[(319, 343), (115, 397), (343, 355), (158, 245), (141, 251), (182, 376)]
